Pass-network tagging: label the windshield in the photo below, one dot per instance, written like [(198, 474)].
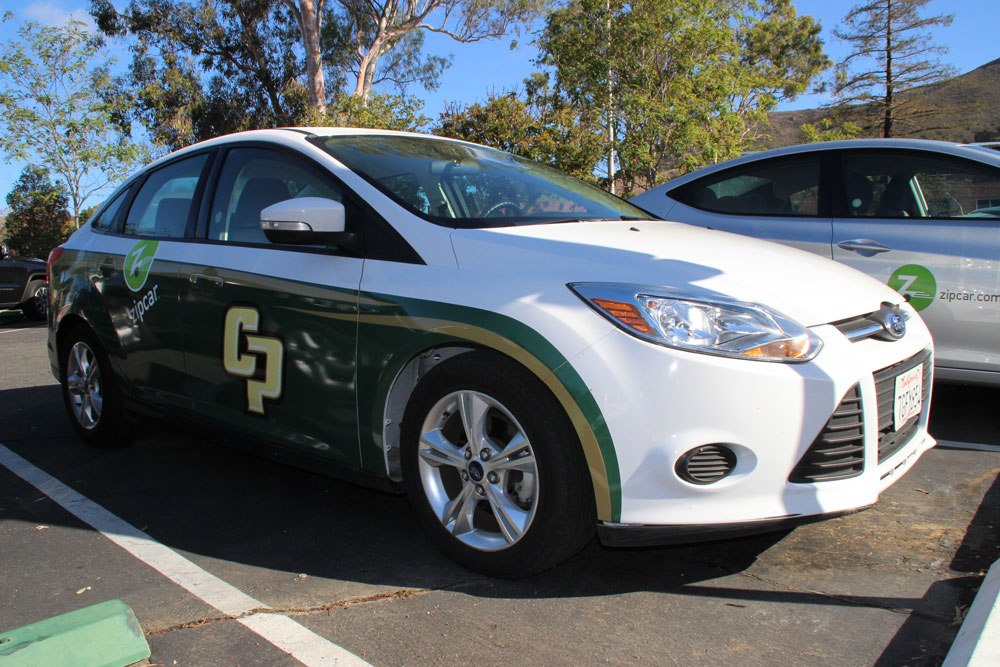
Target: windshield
[(466, 186)]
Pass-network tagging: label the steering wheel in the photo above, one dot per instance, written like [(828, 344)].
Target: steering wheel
[(488, 213)]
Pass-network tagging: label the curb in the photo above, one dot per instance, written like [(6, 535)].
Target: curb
[(978, 640), (106, 634)]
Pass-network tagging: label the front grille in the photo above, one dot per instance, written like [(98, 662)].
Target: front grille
[(838, 452), (890, 440)]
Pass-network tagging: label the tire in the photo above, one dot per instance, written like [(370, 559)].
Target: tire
[(515, 500), (37, 305), (90, 390)]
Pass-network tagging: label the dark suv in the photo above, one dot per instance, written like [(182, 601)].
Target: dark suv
[(23, 285)]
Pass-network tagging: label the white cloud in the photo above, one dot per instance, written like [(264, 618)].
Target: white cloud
[(51, 14)]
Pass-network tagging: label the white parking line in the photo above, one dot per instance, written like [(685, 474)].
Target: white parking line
[(301, 643), (952, 444)]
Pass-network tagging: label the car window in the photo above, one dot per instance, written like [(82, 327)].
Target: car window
[(163, 203), (106, 220), (785, 186), (461, 185), (253, 179), (919, 185)]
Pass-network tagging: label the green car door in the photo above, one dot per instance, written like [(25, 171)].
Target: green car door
[(270, 332), (134, 274)]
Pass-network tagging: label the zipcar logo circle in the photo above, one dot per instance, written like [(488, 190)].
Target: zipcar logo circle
[(138, 263), (916, 283)]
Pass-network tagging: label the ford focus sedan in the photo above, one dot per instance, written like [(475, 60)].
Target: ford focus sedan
[(921, 216), (529, 358)]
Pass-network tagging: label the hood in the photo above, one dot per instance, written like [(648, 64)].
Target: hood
[(810, 289)]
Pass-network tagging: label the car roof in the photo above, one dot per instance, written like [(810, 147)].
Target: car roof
[(288, 136), (971, 151)]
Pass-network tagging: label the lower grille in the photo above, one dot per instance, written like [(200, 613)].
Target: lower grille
[(838, 452), (890, 440)]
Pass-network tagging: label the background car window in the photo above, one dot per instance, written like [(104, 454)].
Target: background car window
[(106, 220), (163, 203), (919, 185), (251, 180), (786, 186)]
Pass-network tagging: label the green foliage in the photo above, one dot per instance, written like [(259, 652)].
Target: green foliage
[(210, 67), (827, 130), (681, 83), (547, 134), (59, 107), (38, 220), (384, 112), (891, 53)]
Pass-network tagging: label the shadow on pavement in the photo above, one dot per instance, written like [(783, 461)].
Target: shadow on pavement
[(225, 504)]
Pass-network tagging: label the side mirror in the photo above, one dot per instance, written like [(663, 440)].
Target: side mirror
[(306, 221)]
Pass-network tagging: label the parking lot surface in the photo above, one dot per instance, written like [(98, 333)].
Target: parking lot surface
[(886, 586)]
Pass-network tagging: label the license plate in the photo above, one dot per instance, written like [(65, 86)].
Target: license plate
[(909, 396)]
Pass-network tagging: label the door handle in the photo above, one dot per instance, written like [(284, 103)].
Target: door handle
[(107, 267), (865, 247), (196, 278)]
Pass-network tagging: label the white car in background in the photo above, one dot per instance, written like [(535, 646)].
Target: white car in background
[(921, 216)]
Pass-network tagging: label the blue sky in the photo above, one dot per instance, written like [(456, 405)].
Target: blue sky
[(489, 66)]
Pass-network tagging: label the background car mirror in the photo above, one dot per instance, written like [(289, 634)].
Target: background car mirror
[(306, 221)]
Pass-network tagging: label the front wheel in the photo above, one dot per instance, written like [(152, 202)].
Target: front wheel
[(90, 391), (493, 468)]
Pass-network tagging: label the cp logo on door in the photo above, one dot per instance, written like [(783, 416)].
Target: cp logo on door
[(242, 323)]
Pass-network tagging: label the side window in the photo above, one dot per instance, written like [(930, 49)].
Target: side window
[(163, 203), (109, 216), (251, 180), (919, 185), (783, 186)]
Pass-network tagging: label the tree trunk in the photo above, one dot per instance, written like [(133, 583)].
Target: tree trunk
[(309, 26), (887, 128)]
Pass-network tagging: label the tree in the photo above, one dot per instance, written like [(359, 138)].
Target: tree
[(826, 129), (58, 105), (38, 220), (535, 130), (678, 82), (381, 26), (208, 68), (890, 36)]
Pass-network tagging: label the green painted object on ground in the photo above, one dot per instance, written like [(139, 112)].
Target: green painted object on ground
[(103, 635)]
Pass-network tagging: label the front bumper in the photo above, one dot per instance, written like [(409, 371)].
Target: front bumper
[(660, 403)]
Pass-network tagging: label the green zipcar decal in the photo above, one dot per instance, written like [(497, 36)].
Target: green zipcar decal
[(138, 263), (916, 283)]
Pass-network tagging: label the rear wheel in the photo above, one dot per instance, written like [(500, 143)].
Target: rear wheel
[(37, 304), (90, 391), (493, 468)]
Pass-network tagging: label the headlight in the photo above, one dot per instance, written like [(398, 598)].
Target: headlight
[(700, 323)]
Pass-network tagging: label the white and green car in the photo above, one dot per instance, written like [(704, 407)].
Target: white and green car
[(530, 358)]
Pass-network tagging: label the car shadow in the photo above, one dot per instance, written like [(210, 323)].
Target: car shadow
[(11, 319), (196, 496)]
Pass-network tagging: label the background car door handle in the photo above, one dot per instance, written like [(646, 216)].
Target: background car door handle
[(196, 278), (865, 247)]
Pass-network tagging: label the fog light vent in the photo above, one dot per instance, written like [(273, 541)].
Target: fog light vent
[(706, 464)]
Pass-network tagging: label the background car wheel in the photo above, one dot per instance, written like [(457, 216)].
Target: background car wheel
[(90, 391), (493, 468), (37, 305)]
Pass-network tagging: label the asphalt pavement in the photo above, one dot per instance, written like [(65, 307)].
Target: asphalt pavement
[(348, 565)]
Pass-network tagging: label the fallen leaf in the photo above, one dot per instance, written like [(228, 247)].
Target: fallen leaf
[(83, 590), (40, 527), (927, 493)]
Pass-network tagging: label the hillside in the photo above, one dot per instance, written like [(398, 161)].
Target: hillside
[(975, 94)]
